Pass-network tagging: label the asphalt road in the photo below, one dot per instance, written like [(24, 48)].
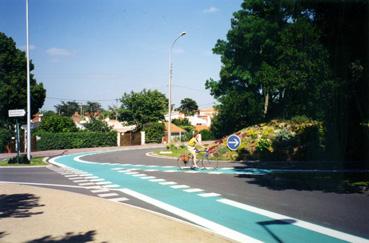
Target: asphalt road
[(341, 211)]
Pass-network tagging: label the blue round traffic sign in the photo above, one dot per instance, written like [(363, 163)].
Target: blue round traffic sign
[(233, 142)]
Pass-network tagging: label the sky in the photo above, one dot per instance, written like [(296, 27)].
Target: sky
[(97, 50)]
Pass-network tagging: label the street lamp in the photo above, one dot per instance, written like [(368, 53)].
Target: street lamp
[(170, 87), (28, 90)]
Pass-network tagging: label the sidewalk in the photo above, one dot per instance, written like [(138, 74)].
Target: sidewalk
[(34, 214), (51, 153)]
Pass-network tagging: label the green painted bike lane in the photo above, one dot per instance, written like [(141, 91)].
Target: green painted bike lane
[(255, 227)]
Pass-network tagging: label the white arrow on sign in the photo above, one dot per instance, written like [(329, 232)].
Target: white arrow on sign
[(235, 142), (16, 113)]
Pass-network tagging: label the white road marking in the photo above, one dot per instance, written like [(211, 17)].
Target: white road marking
[(148, 177), (91, 177), (179, 186), (211, 194), (170, 171), (131, 173), (97, 180), (220, 229), (192, 171), (108, 194), (300, 223), (140, 175), (215, 172), (138, 165), (194, 190), (93, 187), (103, 183), (111, 186), (86, 184), (151, 170), (119, 199), (78, 181), (168, 183), (168, 166), (100, 190), (119, 168), (157, 180)]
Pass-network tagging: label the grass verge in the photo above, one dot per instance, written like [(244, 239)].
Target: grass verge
[(34, 162)]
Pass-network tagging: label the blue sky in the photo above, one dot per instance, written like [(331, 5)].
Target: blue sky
[(98, 49)]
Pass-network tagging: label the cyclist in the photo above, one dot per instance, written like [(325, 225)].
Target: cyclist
[(191, 146)]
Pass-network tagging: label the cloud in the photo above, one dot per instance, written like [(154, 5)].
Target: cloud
[(210, 10), (58, 52)]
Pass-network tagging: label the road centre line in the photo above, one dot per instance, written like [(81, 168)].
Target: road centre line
[(300, 223), (220, 229)]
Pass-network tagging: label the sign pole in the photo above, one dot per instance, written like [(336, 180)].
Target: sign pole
[(28, 91), (17, 139)]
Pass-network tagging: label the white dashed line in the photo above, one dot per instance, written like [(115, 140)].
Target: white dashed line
[(108, 194), (103, 183), (168, 183), (86, 184), (97, 180), (117, 168), (131, 173), (179, 186), (140, 175), (171, 171), (91, 177), (151, 170), (111, 186), (157, 180), (79, 181), (100, 190), (93, 187), (215, 172), (148, 177), (194, 190), (119, 199), (211, 194), (191, 171)]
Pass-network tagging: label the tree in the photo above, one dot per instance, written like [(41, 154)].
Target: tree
[(154, 132), (92, 107), (56, 123), (96, 125), (188, 107), (181, 122), (139, 108), (273, 66), (13, 81), (67, 108)]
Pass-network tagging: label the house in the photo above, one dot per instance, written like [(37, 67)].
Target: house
[(176, 132), (202, 118)]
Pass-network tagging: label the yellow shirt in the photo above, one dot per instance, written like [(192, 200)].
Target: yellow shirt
[(192, 142)]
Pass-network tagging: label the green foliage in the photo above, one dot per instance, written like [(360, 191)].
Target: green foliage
[(13, 81), (181, 122), (206, 135), (96, 125), (5, 136), (67, 108), (56, 123), (92, 107), (139, 108), (273, 66), (154, 132), (22, 160), (69, 140), (188, 107)]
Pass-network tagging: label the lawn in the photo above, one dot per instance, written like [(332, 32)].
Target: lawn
[(34, 162)]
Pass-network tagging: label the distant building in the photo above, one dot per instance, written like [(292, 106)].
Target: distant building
[(201, 119)]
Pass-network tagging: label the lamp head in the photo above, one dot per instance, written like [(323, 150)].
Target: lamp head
[(183, 33)]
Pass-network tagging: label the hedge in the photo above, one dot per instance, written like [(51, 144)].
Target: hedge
[(69, 140), (5, 136), (154, 132)]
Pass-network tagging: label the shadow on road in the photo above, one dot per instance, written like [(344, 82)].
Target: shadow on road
[(18, 205), (342, 183), (265, 225), (68, 237)]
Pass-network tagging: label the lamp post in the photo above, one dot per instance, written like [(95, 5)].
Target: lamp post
[(28, 90), (170, 87)]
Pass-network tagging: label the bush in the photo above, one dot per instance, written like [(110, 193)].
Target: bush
[(22, 160), (154, 132), (96, 125), (56, 123), (69, 140), (206, 135), (5, 136)]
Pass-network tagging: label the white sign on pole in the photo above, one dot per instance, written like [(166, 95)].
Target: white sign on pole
[(16, 113)]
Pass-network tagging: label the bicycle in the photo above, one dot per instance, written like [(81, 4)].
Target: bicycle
[(187, 158)]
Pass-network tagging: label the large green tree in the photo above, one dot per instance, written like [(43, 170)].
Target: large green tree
[(13, 81), (188, 106), (139, 108), (273, 65), (67, 108)]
